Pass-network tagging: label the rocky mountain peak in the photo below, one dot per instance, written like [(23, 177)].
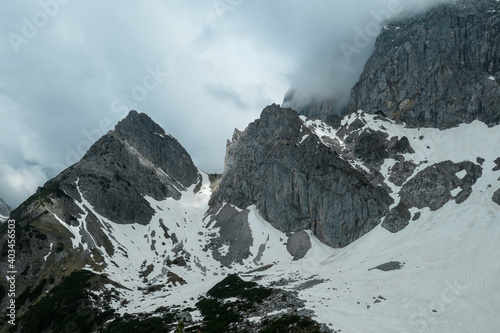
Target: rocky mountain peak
[(138, 125), (163, 150), (340, 220), (135, 160)]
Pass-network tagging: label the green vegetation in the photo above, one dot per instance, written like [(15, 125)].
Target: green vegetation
[(234, 286), (141, 325), (3, 291), (37, 291), (218, 315), (21, 299), (66, 308), (180, 327)]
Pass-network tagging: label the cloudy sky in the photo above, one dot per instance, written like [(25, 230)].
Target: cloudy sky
[(70, 70)]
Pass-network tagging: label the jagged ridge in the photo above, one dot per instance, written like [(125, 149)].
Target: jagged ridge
[(298, 183)]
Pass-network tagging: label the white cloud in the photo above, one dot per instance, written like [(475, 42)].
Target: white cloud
[(20, 182), (226, 60)]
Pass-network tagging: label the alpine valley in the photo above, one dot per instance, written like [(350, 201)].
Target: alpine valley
[(383, 219)]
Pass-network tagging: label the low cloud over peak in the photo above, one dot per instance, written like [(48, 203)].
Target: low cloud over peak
[(70, 70)]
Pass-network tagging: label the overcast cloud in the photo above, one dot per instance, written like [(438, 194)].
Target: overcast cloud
[(71, 69)]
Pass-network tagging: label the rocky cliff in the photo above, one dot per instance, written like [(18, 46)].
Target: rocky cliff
[(439, 69), (297, 182)]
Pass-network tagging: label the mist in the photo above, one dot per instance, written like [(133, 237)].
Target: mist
[(336, 47), (71, 70)]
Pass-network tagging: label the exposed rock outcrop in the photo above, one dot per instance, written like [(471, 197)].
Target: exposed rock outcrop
[(401, 171), (497, 164), (297, 183), (4, 210), (496, 197), (433, 186), (299, 244), (397, 219), (234, 234), (440, 69)]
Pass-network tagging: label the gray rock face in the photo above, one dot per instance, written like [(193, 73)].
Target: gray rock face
[(298, 244), (134, 160), (401, 171), (138, 158), (439, 70), (235, 233), (432, 186), (4, 210), (297, 183), (496, 197), (372, 146), (497, 164), (397, 219), (165, 152)]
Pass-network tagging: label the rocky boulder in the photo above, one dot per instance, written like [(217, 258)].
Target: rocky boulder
[(397, 219), (496, 197), (433, 186)]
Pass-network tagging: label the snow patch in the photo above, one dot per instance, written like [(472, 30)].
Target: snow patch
[(455, 191), (50, 251), (224, 250), (461, 174)]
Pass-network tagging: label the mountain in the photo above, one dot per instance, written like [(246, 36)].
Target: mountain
[(4, 211), (438, 69), (360, 223), (436, 234), (453, 49)]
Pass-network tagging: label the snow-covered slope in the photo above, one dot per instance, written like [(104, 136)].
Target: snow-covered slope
[(440, 274), (448, 259), (434, 271)]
